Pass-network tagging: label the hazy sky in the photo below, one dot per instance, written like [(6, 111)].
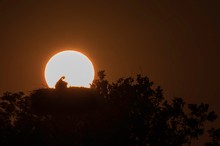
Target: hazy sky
[(176, 44)]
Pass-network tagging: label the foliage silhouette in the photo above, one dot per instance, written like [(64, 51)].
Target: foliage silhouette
[(127, 112), (215, 135)]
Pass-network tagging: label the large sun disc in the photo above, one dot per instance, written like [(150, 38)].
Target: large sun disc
[(76, 67)]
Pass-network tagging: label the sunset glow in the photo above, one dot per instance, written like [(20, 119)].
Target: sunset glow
[(76, 67)]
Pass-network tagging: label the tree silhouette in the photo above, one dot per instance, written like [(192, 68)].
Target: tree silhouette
[(128, 112), (150, 118), (215, 135), (16, 120)]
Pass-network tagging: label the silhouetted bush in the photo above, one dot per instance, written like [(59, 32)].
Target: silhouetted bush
[(127, 112)]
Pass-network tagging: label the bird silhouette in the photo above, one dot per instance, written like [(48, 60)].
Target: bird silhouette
[(61, 84)]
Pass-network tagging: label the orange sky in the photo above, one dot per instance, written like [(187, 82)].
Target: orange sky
[(176, 44)]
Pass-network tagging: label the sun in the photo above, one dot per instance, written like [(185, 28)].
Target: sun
[(77, 69)]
